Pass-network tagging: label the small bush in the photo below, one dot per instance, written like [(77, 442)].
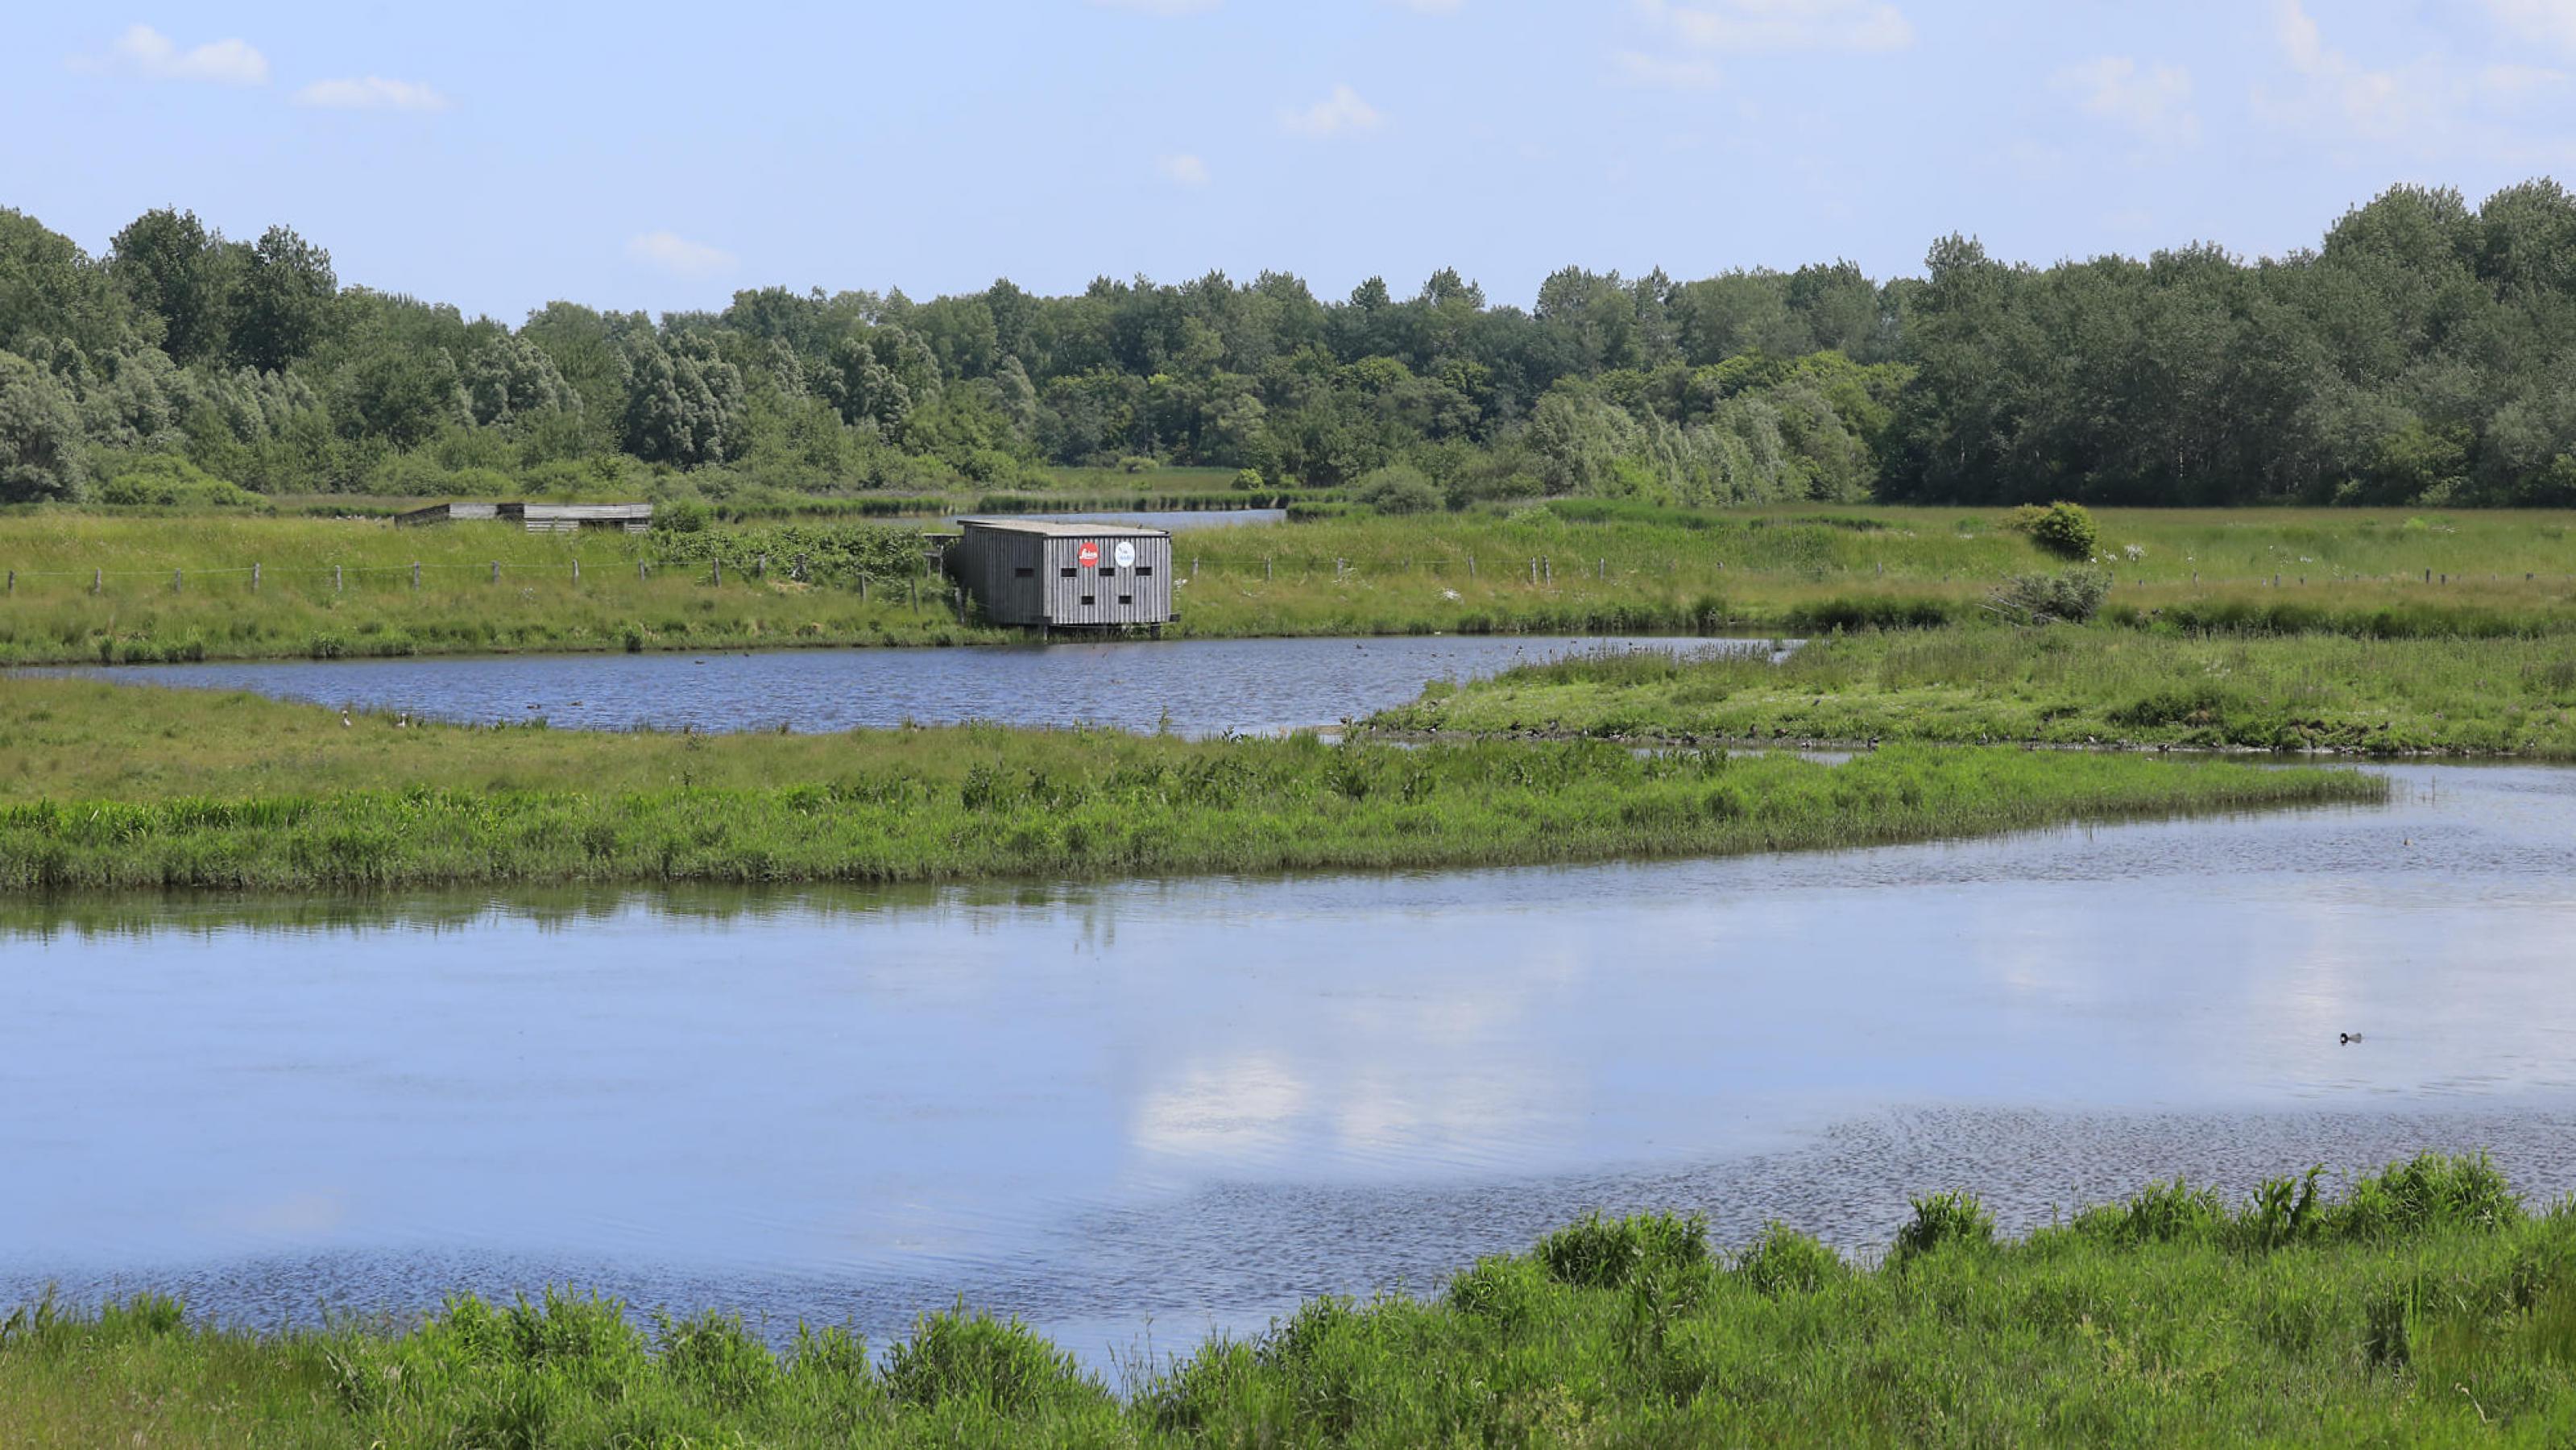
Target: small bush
[(1398, 489), (1138, 463), (167, 481), (2073, 597), (1785, 1261), (1602, 1253), (958, 1357), (1956, 1217), (1248, 480), (715, 1358), (2432, 1191), (2161, 1213), (680, 516), (2064, 529)]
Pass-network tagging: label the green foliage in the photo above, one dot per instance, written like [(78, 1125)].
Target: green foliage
[(1783, 1262), (1599, 1253), (1950, 1219), (1004, 1367), (40, 437), (2071, 597), (680, 516), (165, 481), (2064, 529), (1397, 489)]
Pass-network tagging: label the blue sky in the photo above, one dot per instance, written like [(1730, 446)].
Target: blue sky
[(658, 156)]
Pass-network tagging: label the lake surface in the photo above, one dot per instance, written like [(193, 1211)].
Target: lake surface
[(1137, 1111), (1195, 687)]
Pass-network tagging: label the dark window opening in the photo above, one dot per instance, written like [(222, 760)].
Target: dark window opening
[(1144, 571), (1126, 598), (1024, 573), (1067, 573), (1087, 599), (1108, 571)]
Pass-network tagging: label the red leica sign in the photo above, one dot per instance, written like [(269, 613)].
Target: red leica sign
[(1088, 554)]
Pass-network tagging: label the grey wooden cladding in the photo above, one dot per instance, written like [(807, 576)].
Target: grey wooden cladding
[(1031, 574)]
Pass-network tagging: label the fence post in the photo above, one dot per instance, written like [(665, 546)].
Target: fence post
[(496, 571), (1338, 566), (643, 571), (178, 581), (335, 579), (798, 574), (1533, 571), (2276, 581), (97, 580), (1548, 563), (915, 600), (13, 581), (1265, 568), (760, 567), (1471, 566), (863, 582), (1600, 570), (576, 571), (2428, 576), (719, 568), (1194, 568), (254, 576), (415, 576)]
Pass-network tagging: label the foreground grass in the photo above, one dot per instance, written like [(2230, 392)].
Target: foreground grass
[(179, 587), (2061, 685), (105, 786), (2424, 1306)]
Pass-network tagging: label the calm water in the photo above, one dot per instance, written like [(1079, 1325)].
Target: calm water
[(1200, 687), (1190, 1103)]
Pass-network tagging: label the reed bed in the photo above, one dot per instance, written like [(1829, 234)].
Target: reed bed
[(2061, 685), (2423, 1305), (107, 787)]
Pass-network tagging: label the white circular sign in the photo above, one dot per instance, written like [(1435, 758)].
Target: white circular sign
[(1125, 554)]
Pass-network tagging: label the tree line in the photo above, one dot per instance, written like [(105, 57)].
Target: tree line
[(2424, 352)]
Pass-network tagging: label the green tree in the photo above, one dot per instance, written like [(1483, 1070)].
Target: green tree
[(180, 274), (40, 435), (284, 302)]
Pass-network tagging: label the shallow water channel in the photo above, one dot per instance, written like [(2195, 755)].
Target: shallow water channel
[(1133, 1112), (1194, 687)]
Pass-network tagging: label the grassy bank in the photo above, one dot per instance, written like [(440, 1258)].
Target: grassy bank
[(2420, 1306), (104, 786), (151, 587), (2061, 685)]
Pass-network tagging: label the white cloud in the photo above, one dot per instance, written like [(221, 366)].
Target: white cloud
[(679, 256), (2341, 94), (1185, 169), (2552, 22), (1775, 25), (372, 93), (1685, 73), (2155, 102), (1341, 111), (2519, 80), (146, 52), (1159, 7)]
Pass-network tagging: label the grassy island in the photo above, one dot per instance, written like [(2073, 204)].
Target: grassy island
[(108, 786)]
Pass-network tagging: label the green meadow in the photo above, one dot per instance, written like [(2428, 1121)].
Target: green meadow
[(142, 586), (2062, 685)]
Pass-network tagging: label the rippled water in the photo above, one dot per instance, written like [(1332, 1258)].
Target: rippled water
[(1195, 687), (1191, 1103)]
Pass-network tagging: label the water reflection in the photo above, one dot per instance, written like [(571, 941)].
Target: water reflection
[(1191, 687), (1199, 1099)]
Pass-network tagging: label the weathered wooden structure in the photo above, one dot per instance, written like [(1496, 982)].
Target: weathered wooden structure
[(1048, 574), (540, 518)]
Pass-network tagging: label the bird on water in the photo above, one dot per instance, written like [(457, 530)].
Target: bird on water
[(2346, 1039)]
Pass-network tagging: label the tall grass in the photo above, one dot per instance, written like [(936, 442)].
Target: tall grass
[(111, 787), (2173, 1318), (180, 586), (2512, 696)]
